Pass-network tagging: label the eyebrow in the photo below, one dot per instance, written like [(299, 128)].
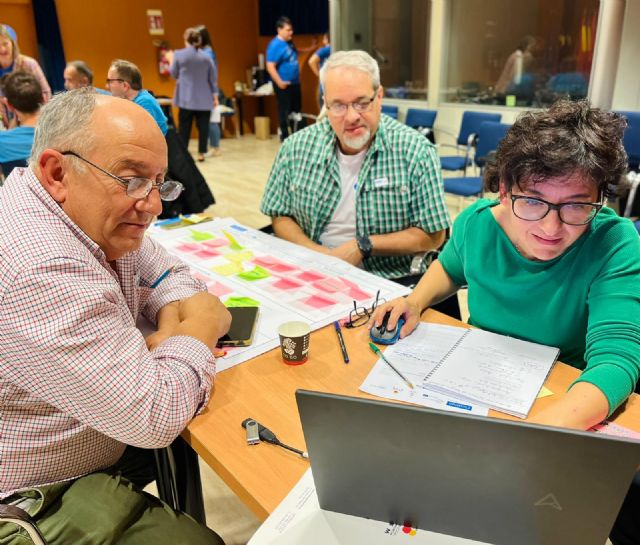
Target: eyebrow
[(133, 165), (574, 196)]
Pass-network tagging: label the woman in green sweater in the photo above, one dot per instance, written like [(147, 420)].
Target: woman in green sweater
[(547, 262)]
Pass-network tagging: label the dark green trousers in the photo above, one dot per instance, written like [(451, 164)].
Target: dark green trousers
[(106, 508)]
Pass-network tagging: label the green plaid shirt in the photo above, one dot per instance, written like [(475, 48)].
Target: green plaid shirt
[(399, 186)]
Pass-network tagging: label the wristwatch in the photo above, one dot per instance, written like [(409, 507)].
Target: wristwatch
[(365, 246)]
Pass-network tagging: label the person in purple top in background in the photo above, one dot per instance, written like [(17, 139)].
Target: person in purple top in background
[(11, 60), (196, 91)]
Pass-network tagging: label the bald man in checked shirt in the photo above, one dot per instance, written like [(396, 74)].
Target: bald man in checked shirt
[(81, 391)]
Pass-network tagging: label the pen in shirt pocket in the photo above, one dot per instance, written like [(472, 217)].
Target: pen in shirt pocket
[(161, 278)]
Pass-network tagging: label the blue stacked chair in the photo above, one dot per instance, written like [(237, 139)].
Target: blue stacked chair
[(391, 111), (490, 134), (469, 128)]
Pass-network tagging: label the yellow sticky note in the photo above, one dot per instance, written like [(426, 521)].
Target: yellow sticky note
[(228, 269), (195, 218), (234, 243), (544, 392), (239, 257)]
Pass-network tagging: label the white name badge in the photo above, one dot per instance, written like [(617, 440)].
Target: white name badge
[(380, 182)]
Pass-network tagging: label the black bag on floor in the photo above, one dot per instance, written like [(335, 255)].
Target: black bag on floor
[(196, 196)]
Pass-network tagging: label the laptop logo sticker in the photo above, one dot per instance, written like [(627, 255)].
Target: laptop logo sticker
[(549, 501)]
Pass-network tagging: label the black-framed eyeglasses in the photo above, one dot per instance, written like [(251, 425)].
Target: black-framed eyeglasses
[(339, 109), (572, 213), (136, 187), (109, 80), (360, 315)]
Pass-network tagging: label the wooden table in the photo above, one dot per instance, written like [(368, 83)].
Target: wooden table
[(263, 389)]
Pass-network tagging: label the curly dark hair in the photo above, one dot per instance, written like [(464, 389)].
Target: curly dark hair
[(570, 137)]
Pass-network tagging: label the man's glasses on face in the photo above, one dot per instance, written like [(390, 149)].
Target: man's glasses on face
[(361, 315), (572, 213), (114, 79), (338, 109), (136, 187)]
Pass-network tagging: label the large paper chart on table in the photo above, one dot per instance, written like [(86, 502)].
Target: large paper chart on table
[(244, 266)]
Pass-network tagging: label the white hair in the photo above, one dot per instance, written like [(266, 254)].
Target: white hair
[(360, 60), (64, 122)]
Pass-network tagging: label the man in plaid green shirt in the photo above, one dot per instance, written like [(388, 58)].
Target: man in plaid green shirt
[(358, 185)]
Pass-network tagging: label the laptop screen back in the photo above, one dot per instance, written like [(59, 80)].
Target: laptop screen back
[(484, 479)]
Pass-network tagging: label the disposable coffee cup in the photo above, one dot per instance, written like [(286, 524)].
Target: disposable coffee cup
[(294, 342)]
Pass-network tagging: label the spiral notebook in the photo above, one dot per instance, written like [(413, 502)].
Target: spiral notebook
[(500, 372)]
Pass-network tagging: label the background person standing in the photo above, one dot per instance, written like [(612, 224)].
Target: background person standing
[(196, 89), (282, 65)]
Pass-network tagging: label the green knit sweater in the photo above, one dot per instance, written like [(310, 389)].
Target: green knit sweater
[(585, 302)]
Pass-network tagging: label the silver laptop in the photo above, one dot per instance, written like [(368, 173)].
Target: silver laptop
[(489, 480)]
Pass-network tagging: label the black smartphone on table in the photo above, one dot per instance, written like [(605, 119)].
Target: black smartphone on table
[(243, 326)]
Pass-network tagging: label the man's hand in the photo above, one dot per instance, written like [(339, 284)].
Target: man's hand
[(348, 252), (206, 315), (283, 84), (202, 316)]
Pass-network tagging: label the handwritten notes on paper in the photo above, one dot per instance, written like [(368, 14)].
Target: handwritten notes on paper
[(467, 366)]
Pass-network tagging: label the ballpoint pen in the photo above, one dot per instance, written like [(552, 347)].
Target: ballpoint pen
[(161, 277), (343, 347), (378, 353)]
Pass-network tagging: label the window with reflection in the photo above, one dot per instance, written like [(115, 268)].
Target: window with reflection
[(399, 42), (526, 53)]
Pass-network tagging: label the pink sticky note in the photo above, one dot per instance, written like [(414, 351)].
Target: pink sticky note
[(311, 276), (218, 289), (358, 295), (348, 282), (283, 268), (216, 242), (207, 253), (319, 301), (188, 247), (273, 264), (330, 285), (200, 276), (266, 261), (287, 284)]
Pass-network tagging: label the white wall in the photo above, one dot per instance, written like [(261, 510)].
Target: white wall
[(626, 95)]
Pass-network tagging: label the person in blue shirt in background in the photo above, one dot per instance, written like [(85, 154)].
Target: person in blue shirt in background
[(22, 96), (124, 80), (317, 60), (282, 65)]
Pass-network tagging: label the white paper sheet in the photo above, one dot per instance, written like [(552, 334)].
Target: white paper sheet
[(415, 357), (301, 284)]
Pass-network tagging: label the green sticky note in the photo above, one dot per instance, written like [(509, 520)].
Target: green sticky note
[(234, 243), (510, 100), (241, 302), (239, 257), (200, 235), (257, 273)]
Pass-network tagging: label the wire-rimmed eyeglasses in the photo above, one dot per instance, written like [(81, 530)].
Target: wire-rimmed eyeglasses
[(360, 315), (572, 213), (136, 187), (338, 109)]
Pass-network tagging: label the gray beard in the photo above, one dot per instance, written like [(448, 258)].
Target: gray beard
[(359, 142)]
